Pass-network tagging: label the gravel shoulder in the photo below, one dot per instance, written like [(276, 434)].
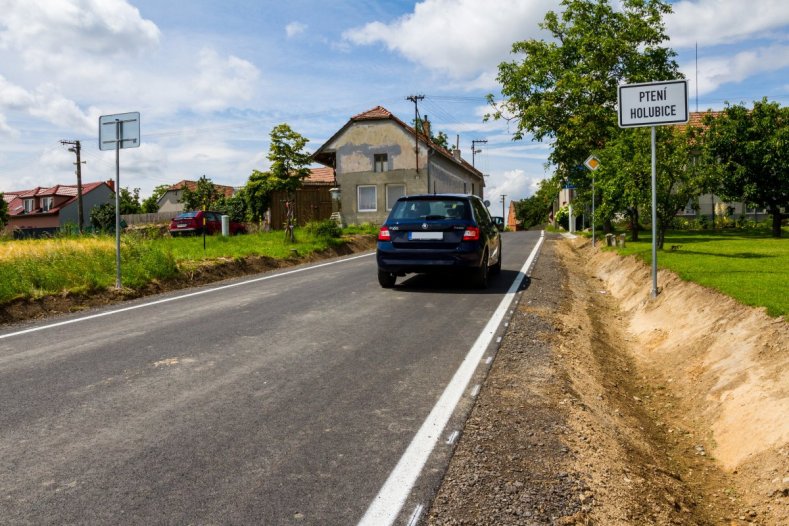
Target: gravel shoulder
[(572, 428)]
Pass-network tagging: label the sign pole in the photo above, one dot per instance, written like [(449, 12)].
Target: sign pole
[(654, 217), (653, 104), (108, 124), (593, 240), (118, 139)]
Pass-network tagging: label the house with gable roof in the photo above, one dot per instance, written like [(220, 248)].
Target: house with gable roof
[(45, 210), (170, 201), (376, 160)]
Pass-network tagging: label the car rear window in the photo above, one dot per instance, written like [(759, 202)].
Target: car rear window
[(186, 215), (431, 209)]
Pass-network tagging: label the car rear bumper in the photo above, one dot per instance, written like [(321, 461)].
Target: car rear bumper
[(401, 261)]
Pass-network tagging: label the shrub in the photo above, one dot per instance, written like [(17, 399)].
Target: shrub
[(325, 229)]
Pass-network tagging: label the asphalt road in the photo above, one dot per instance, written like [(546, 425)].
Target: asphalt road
[(286, 399)]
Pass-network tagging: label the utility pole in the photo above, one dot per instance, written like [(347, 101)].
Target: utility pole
[(504, 217), (415, 99), (474, 150), (76, 148)]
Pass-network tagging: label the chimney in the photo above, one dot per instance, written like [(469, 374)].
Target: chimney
[(456, 154), (426, 127), (111, 184)]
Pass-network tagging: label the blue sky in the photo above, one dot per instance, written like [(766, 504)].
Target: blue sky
[(211, 78)]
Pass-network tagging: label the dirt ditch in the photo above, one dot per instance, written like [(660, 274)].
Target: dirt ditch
[(606, 407)]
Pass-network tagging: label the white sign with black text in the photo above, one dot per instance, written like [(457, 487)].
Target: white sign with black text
[(653, 103)]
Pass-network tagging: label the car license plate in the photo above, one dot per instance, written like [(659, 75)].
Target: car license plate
[(426, 235), (181, 225)]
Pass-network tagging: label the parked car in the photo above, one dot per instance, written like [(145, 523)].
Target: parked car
[(437, 233), (187, 223)]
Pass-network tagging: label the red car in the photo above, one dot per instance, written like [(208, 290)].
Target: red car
[(187, 223)]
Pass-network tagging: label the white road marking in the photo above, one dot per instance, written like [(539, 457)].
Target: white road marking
[(489, 360), (386, 506), (498, 340), (177, 298), (414, 520), (454, 436), (475, 391)]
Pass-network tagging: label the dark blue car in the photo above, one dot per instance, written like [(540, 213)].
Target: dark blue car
[(438, 233)]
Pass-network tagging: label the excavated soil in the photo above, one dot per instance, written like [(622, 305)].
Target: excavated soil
[(606, 407)]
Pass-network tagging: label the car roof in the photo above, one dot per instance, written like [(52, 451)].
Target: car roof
[(416, 197)]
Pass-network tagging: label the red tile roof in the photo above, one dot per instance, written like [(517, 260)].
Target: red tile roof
[(16, 204), (320, 176), (379, 112)]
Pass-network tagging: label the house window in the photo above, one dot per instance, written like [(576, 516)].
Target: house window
[(367, 198), (28, 206), (46, 203), (380, 162), (393, 193)]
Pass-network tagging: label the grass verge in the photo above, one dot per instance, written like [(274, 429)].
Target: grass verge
[(750, 266), (35, 268)]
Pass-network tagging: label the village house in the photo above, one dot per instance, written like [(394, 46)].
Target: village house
[(376, 160)]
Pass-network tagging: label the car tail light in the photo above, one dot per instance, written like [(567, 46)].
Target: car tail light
[(471, 234), (383, 234)]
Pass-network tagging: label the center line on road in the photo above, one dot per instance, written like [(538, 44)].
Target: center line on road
[(386, 506), (177, 298)]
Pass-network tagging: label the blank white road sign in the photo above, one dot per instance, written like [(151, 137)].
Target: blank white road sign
[(653, 103)]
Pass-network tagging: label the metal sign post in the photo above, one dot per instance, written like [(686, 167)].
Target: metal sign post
[(116, 132), (653, 104)]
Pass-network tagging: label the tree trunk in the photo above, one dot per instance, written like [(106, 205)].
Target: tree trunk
[(633, 212), (661, 235), (608, 227), (777, 216)]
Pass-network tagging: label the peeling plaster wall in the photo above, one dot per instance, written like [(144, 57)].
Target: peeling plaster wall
[(355, 148), (354, 155)]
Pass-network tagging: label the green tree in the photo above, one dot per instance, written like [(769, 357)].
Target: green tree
[(565, 89), (234, 206), (534, 210), (205, 195), (3, 212), (130, 201), (752, 147), (102, 217), (289, 168), (625, 174), (150, 205)]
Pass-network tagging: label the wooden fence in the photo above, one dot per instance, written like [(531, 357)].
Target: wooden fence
[(312, 204), (145, 219)]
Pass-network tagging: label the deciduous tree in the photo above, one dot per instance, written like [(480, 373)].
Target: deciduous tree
[(752, 147), (3, 212), (564, 89), (289, 168), (150, 205), (205, 195)]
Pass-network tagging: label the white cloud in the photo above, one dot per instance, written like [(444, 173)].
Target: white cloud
[(222, 82), (715, 71), (463, 38), (49, 33), (514, 184), (712, 22), (294, 29)]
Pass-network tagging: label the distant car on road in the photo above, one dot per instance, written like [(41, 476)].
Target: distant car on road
[(187, 223), (437, 233)]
